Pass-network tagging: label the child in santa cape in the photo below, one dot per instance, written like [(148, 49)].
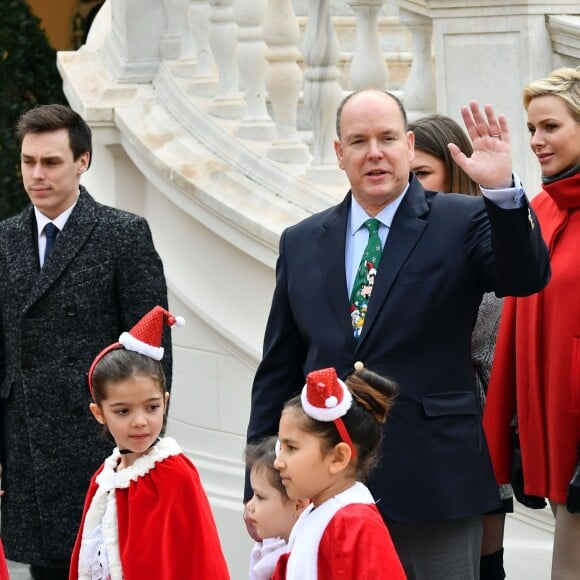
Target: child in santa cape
[(329, 438), (271, 513), (146, 514)]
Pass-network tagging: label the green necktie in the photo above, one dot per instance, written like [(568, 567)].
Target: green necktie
[(365, 277)]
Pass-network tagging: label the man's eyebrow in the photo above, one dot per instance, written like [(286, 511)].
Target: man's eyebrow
[(42, 158)]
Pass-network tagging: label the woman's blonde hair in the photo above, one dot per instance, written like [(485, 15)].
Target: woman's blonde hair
[(563, 83)]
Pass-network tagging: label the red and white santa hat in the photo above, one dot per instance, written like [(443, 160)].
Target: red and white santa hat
[(325, 398), (145, 337)]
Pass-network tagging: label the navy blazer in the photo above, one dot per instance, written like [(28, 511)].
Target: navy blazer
[(442, 253)]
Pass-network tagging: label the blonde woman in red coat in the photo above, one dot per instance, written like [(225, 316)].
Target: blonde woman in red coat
[(536, 372)]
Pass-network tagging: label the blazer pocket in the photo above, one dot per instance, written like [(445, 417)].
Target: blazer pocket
[(443, 404), (82, 276), (429, 274)]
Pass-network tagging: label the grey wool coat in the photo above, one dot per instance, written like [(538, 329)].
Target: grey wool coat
[(103, 274)]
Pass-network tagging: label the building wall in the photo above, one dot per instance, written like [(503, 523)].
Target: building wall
[(63, 20)]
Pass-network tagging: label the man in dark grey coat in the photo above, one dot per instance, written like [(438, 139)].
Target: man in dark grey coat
[(61, 302)]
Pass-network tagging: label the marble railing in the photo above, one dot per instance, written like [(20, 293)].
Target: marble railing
[(279, 72)]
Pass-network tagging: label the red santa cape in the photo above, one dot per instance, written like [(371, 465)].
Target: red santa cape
[(155, 517), (345, 537), (3, 565)]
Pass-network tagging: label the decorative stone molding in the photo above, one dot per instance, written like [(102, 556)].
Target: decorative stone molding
[(565, 35)]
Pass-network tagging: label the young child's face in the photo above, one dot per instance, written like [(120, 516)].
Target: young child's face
[(133, 412), (271, 511), (304, 468)]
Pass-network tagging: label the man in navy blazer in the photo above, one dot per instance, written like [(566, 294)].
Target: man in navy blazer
[(441, 253)]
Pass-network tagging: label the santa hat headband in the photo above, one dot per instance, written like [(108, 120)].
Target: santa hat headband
[(325, 398), (145, 337)]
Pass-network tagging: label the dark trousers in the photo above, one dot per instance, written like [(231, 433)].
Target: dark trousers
[(44, 573), (439, 551)]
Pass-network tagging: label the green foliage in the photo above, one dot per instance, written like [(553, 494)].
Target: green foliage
[(28, 77)]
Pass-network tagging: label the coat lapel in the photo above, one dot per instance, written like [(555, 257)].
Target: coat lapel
[(67, 245), (407, 227), (22, 253), (331, 248)]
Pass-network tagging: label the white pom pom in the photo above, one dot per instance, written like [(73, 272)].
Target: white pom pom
[(332, 401), (179, 321)]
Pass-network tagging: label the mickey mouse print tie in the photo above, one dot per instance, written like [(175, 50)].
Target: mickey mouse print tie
[(365, 277)]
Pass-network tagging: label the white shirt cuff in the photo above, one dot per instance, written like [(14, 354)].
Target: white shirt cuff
[(508, 198)]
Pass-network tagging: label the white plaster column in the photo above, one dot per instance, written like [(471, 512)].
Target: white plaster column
[(322, 91), (256, 123), (489, 51), (369, 67), (284, 80), (419, 92), (132, 50), (228, 103)]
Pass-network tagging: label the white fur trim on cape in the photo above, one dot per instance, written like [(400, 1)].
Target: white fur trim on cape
[(329, 413), (103, 508), (264, 556), (309, 528), (136, 345)]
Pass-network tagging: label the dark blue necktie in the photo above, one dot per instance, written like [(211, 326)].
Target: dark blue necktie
[(50, 231)]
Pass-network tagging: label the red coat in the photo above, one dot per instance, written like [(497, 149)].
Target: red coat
[(165, 526), (355, 544), (537, 359)]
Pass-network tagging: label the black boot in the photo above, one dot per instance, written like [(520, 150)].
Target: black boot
[(491, 566)]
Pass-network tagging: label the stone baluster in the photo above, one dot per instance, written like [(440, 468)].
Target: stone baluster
[(132, 51), (322, 90), (420, 96), (228, 103), (204, 83), (368, 68), (198, 17), (284, 80), (188, 47), (256, 123), (175, 39)]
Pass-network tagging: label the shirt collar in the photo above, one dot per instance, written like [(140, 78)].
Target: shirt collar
[(358, 216), (59, 221)]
